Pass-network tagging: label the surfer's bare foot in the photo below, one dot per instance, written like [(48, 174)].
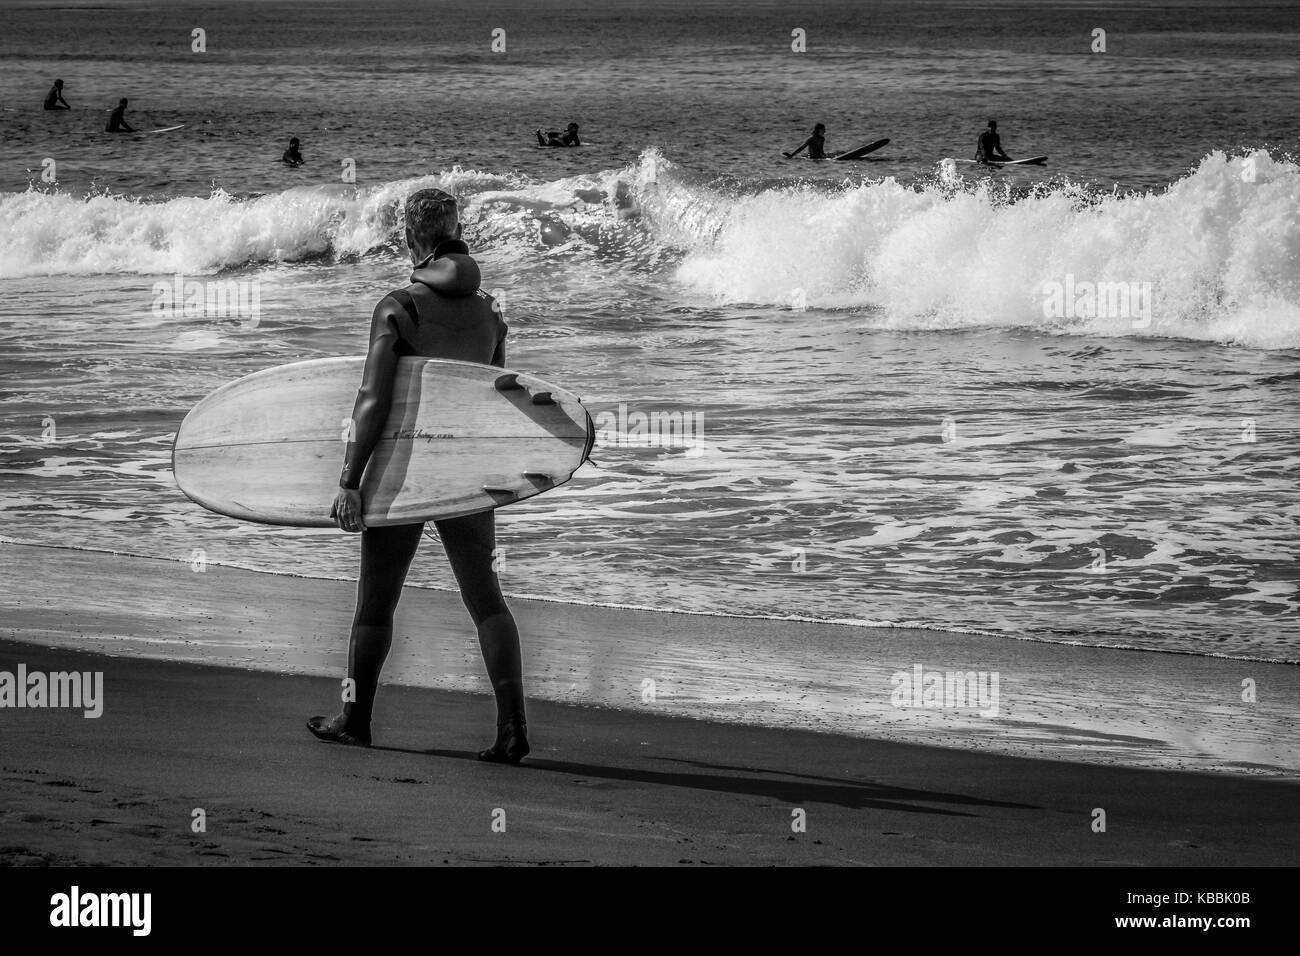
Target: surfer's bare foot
[(334, 730), (511, 745)]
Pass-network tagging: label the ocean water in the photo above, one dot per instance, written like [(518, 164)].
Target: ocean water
[(897, 426)]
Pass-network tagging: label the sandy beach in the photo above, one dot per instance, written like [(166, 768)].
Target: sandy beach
[(604, 785)]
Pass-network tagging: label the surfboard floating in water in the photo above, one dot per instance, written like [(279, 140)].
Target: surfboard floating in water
[(1035, 161), (461, 438), (168, 129), (862, 150)]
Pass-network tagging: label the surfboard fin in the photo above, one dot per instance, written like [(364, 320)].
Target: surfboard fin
[(494, 490), (539, 476), (543, 398), (508, 382)]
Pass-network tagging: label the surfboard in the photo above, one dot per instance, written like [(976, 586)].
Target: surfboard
[(1035, 161), (461, 438), (862, 150), (168, 129)]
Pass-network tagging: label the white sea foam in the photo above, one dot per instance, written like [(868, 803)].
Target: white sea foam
[(1217, 249)]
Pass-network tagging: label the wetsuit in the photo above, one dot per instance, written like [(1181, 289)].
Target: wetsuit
[(816, 144), (989, 148), (54, 100), (117, 122), (292, 156), (555, 138), (441, 314)]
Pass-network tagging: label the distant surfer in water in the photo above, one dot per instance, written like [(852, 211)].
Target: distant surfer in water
[(441, 314), (292, 156), (54, 98), (989, 147), (555, 138), (815, 144), (117, 121)]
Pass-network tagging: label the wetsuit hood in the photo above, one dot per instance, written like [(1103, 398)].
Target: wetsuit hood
[(450, 270)]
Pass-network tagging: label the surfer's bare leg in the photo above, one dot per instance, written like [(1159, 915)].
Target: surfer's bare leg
[(470, 542), (386, 555)]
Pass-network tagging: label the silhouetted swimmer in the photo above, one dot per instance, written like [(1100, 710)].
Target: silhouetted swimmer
[(54, 98), (815, 144), (989, 147), (292, 156), (555, 138), (117, 121)]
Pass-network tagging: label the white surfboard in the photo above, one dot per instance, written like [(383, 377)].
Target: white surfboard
[(1034, 161), (461, 438)]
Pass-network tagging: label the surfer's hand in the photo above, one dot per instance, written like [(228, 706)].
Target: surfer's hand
[(347, 510)]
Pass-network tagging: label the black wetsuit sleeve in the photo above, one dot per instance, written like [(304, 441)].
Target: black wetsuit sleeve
[(375, 397)]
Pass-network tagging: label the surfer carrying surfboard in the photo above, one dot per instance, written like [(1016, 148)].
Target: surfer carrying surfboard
[(815, 144), (989, 146), (441, 314)]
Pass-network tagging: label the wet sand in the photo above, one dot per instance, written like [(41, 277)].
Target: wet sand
[(604, 785)]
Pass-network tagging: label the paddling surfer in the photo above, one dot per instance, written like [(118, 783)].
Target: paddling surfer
[(989, 147), (815, 144), (54, 98), (117, 121), (554, 137), (441, 314)]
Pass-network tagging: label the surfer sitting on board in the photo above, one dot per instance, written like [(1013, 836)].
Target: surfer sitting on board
[(815, 144), (989, 147), (54, 98), (441, 314), (117, 121), (292, 156), (554, 137)]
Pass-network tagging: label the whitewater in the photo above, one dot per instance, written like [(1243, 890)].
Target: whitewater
[(1218, 248)]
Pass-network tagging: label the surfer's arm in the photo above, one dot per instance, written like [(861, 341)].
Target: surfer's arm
[(801, 148), (375, 397)]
